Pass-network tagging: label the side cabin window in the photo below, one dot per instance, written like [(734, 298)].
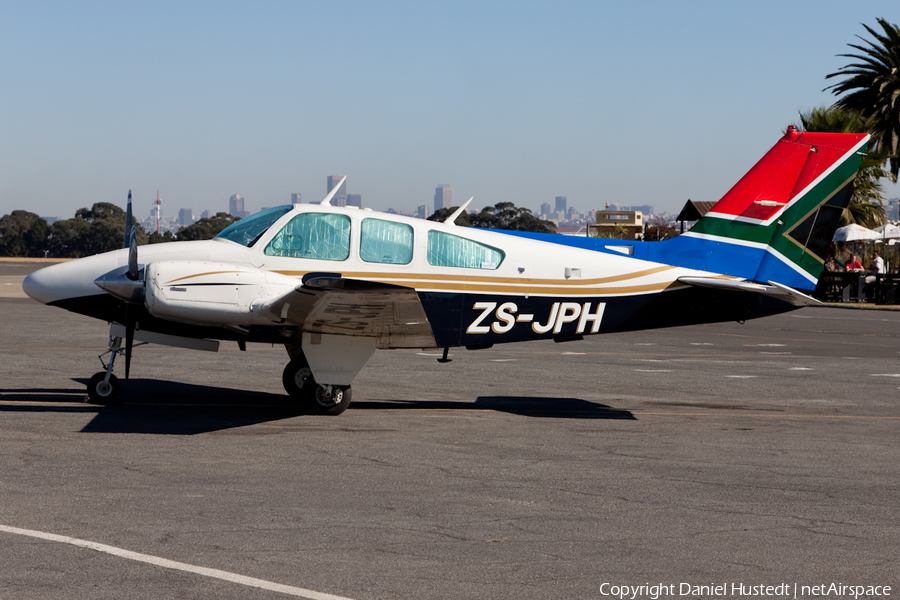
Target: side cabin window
[(322, 236), (446, 250), (386, 242)]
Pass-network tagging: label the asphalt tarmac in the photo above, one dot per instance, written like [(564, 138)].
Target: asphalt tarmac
[(758, 453)]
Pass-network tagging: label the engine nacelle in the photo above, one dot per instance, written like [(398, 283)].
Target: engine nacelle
[(211, 293)]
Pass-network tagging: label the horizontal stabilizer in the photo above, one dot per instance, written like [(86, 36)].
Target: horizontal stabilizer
[(774, 290)]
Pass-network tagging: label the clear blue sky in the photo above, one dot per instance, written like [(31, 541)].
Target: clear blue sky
[(628, 102)]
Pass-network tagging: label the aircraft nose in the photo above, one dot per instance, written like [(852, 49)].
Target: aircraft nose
[(74, 279), (41, 287)]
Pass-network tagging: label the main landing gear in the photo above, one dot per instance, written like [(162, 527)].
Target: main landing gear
[(322, 399), (103, 387)]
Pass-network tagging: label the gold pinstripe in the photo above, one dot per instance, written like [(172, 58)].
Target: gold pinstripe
[(201, 275), (492, 280), (498, 285)]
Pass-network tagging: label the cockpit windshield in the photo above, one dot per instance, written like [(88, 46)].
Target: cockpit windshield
[(246, 231)]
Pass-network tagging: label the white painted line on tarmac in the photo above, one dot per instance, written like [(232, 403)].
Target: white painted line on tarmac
[(653, 370), (765, 345), (779, 353), (645, 344), (801, 369), (573, 353), (885, 374), (741, 376), (178, 566), (504, 359), (701, 344)]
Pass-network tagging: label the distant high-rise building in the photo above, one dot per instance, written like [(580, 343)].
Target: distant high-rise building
[(560, 203), (646, 209), (185, 216), (236, 206), (340, 198), (354, 200), (295, 199), (443, 197), (206, 214), (545, 208), (421, 211)]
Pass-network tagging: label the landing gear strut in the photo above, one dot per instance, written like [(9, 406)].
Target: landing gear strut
[(103, 387), (322, 399)]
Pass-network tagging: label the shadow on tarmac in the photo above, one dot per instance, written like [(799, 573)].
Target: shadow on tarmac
[(525, 406), (172, 408)]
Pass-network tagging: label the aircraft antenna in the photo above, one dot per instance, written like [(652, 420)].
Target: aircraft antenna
[(451, 220), (334, 190)]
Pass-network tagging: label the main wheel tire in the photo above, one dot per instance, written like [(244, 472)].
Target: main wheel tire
[(334, 404), (300, 384), (297, 379), (103, 393)]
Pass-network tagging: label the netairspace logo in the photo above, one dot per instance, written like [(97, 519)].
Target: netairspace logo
[(743, 590)]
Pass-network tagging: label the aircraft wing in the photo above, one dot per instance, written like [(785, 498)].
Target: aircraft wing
[(774, 290), (331, 304)]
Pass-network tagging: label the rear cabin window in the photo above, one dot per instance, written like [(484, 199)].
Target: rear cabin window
[(446, 250), (386, 242), (322, 236)]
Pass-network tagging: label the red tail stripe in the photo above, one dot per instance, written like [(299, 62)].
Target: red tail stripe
[(785, 171)]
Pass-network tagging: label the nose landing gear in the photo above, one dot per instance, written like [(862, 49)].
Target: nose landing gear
[(103, 387)]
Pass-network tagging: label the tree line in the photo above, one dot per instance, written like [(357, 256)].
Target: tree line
[(503, 215), (91, 231)]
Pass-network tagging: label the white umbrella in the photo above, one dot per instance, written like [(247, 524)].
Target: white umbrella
[(888, 232), (855, 233)]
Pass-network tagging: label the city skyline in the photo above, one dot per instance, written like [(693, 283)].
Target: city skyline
[(530, 103)]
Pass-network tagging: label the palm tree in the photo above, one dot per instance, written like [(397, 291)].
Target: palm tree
[(873, 84), (866, 205)]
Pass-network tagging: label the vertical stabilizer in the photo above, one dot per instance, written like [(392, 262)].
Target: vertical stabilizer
[(776, 223)]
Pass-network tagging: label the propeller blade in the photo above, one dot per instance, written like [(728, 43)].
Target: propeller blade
[(133, 257), (131, 274), (129, 337), (131, 242), (128, 222)]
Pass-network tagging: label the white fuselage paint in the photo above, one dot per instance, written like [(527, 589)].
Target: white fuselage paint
[(529, 268)]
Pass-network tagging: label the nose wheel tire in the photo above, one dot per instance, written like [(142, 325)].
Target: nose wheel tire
[(101, 392), (300, 384)]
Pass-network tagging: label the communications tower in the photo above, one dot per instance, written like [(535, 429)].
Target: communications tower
[(157, 206)]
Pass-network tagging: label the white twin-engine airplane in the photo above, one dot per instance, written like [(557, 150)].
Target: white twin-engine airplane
[(334, 284)]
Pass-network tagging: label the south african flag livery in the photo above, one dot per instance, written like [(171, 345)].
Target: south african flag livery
[(775, 224)]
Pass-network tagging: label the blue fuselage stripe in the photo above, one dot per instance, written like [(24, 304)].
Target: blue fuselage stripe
[(725, 258)]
